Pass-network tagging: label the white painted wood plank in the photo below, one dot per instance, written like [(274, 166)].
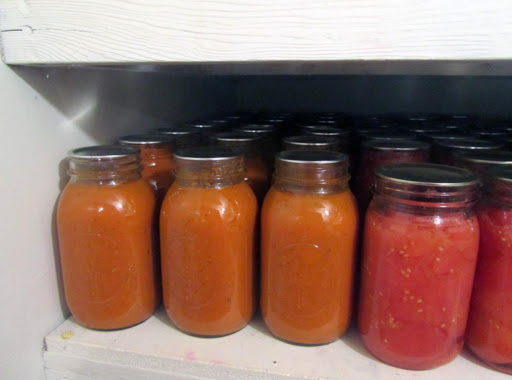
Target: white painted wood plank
[(156, 349), (98, 31)]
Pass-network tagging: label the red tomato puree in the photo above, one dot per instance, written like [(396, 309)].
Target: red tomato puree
[(417, 278), (489, 333)]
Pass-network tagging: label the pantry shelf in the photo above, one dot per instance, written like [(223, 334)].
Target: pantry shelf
[(264, 36), (156, 349)]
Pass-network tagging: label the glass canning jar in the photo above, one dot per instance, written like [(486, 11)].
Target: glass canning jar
[(207, 239), (258, 172), (156, 152), (308, 238), (184, 137), (270, 135), (377, 152), (489, 333), (444, 150), (341, 135), (105, 226), (419, 255), (482, 162)]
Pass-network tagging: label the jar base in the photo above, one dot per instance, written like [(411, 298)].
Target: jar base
[(113, 328), (415, 366), (500, 367)]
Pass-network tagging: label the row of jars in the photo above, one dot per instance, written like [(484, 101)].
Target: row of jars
[(420, 229)]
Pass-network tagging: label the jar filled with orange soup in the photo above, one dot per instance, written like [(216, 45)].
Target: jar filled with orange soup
[(251, 146), (105, 227), (308, 238), (207, 235), (156, 152)]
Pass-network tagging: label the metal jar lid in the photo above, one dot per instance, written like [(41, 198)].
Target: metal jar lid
[(235, 137), (499, 184), (147, 139), (433, 137), (426, 174), (502, 173), (178, 131), (396, 145), (468, 144), (428, 184), (257, 128), (491, 135), (103, 152), (389, 136), (490, 157), (110, 159), (315, 141), (328, 131), (208, 154)]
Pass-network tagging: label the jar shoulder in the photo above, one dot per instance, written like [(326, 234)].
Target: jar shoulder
[(130, 198)]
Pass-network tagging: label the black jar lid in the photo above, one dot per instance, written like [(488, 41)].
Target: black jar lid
[(396, 145), (103, 152), (147, 139), (426, 175)]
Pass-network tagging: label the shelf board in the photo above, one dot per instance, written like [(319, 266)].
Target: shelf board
[(156, 349), (334, 36)]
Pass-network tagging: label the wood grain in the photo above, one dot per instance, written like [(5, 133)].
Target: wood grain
[(156, 31)]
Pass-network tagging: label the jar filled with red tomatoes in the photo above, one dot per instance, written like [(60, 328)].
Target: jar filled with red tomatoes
[(489, 334), (380, 152), (419, 256)]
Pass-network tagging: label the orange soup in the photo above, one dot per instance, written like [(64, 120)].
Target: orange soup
[(105, 238), (308, 238), (207, 225)]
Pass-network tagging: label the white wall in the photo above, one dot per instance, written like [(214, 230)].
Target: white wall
[(36, 138), (44, 113)]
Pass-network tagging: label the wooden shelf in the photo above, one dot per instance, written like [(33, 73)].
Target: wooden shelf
[(286, 37), (155, 349)]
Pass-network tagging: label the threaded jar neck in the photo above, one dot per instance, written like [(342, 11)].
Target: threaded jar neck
[(499, 185), (209, 167), (104, 164), (426, 186), (311, 171), (151, 146)]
